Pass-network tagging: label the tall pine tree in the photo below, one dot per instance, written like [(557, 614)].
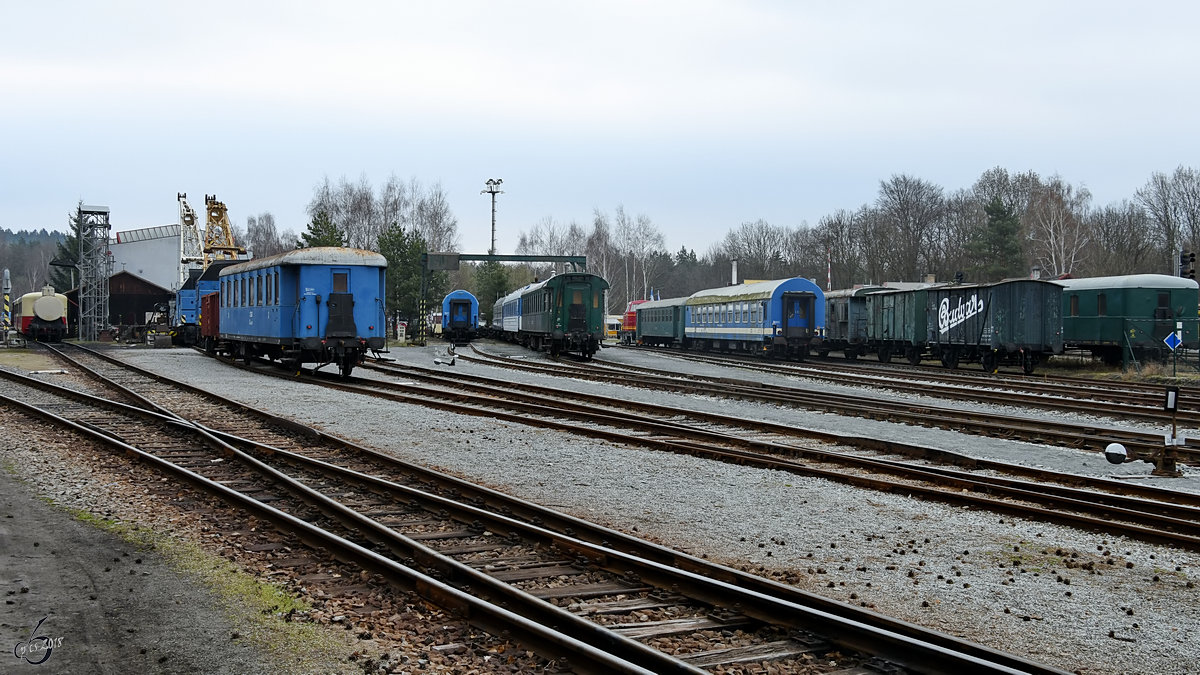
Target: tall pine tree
[(996, 249), (322, 231), (64, 271), (403, 249)]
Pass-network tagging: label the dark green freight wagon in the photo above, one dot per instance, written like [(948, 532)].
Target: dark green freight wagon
[(1018, 321), (1128, 318), (846, 321), (896, 323)]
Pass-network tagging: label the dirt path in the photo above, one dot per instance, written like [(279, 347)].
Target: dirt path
[(103, 605)]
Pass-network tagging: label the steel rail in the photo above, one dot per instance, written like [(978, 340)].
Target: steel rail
[(551, 643), (914, 653), (999, 426), (607, 537)]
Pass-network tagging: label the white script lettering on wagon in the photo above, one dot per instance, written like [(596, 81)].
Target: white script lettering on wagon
[(949, 318)]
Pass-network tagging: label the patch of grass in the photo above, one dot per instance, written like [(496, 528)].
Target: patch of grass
[(27, 359), (258, 609)]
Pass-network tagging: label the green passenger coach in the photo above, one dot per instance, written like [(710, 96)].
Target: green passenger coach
[(1126, 318), (564, 313)]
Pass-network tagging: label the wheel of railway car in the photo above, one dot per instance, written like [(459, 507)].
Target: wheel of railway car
[(346, 365), (989, 361), (1028, 362), (913, 355), (851, 354), (885, 354), (950, 358)]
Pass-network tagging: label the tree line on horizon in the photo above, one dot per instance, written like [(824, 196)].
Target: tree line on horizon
[(1005, 225)]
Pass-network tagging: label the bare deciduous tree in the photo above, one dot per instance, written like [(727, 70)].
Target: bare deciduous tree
[(1121, 241), (363, 216), (1058, 234), (264, 239), (909, 209), (1173, 204)]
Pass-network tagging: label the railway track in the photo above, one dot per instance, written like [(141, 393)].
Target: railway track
[(1108, 506), (1142, 444), (511, 554), (1123, 401)]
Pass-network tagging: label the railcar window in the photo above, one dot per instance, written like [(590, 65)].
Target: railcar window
[(1074, 305), (276, 287), (1101, 305), (1164, 300), (341, 282), (258, 290), (242, 292)]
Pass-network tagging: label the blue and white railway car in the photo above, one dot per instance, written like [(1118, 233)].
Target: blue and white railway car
[(460, 316), (506, 315), (317, 305), (785, 318)]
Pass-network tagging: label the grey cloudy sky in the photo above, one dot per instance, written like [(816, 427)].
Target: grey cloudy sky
[(698, 114)]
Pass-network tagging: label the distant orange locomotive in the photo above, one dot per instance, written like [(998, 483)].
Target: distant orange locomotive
[(41, 316), (628, 332)]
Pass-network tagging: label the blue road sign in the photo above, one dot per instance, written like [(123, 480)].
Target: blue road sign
[(1172, 340)]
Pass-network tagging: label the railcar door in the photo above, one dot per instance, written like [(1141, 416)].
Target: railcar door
[(576, 310), (459, 313), (340, 322), (798, 313)]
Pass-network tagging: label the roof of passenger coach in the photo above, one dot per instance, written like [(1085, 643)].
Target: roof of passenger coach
[(655, 304), (853, 292), (514, 295), (1128, 281), (317, 255), (758, 290)]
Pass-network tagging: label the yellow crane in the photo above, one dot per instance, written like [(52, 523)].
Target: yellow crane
[(218, 233)]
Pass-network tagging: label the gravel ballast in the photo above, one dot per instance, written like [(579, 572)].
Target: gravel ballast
[(1077, 600)]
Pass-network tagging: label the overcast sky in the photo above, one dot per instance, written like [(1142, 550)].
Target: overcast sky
[(700, 115)]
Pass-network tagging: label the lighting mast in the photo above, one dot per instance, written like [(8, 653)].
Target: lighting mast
[(493, 189)]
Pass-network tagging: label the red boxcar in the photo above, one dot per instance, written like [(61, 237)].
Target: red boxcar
[(210, 321)]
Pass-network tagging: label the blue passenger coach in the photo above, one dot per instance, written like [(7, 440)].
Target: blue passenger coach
[(460, 316), (318, 305), (785, 318)]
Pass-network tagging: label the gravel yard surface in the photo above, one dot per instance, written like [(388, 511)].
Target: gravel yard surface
[(1081, 601)]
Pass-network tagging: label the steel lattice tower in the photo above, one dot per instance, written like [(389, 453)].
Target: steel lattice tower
[(95, 267)]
